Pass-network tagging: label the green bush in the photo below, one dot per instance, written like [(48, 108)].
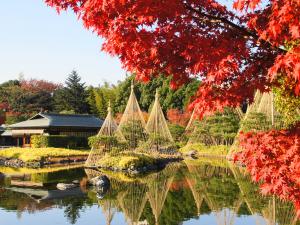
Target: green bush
[(219, 129), (259, 122), (286, 101), (39, 141), (59, 141), (216, 150), (97, 140), (126, 160), (178, 132), (110, 143), (134, 132)]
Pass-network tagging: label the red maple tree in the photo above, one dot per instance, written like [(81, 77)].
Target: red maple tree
[(35, 85), (233, 51), (273, 159), (178, 117)]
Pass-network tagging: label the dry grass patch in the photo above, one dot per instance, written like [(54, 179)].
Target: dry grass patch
[(38, 154)]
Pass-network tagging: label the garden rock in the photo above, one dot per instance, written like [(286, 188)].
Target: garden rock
[(77, 182), (63, 186), (100, 181), (191, 153)]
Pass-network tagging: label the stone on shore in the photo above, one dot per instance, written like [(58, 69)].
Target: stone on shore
[(191, 153), (63, 186), (100, 181)]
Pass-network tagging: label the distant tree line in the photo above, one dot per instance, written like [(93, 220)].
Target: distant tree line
[(20, 99)]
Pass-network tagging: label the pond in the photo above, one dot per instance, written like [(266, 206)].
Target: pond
[(202, 191)]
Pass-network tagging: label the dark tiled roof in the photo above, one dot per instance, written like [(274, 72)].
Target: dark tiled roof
[(42, 120), (7, 133)]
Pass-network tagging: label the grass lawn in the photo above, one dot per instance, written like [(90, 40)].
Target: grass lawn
[(126, 161), (36, 154), (22, 171), (218, 150)]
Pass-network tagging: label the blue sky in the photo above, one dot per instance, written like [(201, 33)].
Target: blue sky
[(36, 41)]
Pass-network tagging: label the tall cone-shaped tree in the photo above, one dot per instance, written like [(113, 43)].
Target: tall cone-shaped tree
[(75, 94)]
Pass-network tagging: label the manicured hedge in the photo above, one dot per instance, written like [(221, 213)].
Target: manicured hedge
[(59, 141)]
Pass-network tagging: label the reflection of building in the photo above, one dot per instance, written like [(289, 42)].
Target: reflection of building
[(53, 124), (40, 195)]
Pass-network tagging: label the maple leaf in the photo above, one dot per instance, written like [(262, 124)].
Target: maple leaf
[(279, 174), (295, 31)]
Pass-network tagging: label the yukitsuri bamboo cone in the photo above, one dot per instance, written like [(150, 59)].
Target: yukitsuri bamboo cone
[(109, 128), (263, 103), (132, 124), (157, 126)]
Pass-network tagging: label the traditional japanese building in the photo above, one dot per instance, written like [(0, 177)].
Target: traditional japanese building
[(53, 124)]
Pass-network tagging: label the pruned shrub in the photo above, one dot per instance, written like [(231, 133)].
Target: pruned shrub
[(59, 141)]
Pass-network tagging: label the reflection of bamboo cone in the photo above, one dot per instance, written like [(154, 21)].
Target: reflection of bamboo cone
[(197, 198), (108, 211), (157, 192), (132, 202)]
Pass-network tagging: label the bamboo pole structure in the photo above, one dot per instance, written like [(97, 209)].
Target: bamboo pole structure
[(132, 124)]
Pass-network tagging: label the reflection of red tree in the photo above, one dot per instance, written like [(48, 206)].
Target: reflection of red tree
[(118, 116), (180, 184), (273, 158)]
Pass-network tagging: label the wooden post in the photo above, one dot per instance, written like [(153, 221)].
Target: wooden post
[(24, 141)]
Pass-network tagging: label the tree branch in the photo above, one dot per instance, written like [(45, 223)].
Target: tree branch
[(244, 31)]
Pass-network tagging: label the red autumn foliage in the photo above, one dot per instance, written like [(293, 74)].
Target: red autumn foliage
[(178, 117), (4, 106), (233, 53), (34, 85), (273, 158), (118, 117)]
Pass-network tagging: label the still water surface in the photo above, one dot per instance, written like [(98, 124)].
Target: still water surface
[(202, 192)]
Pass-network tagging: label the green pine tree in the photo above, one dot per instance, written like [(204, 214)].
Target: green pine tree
[(74, 96)]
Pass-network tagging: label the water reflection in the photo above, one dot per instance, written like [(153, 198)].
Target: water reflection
[(214, 192)]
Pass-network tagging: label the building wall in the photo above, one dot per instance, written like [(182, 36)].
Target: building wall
[(73, 132)]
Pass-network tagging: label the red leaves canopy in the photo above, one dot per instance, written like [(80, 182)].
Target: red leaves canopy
[(232, 53), (34, 85), (175, 116), (274, 159)]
